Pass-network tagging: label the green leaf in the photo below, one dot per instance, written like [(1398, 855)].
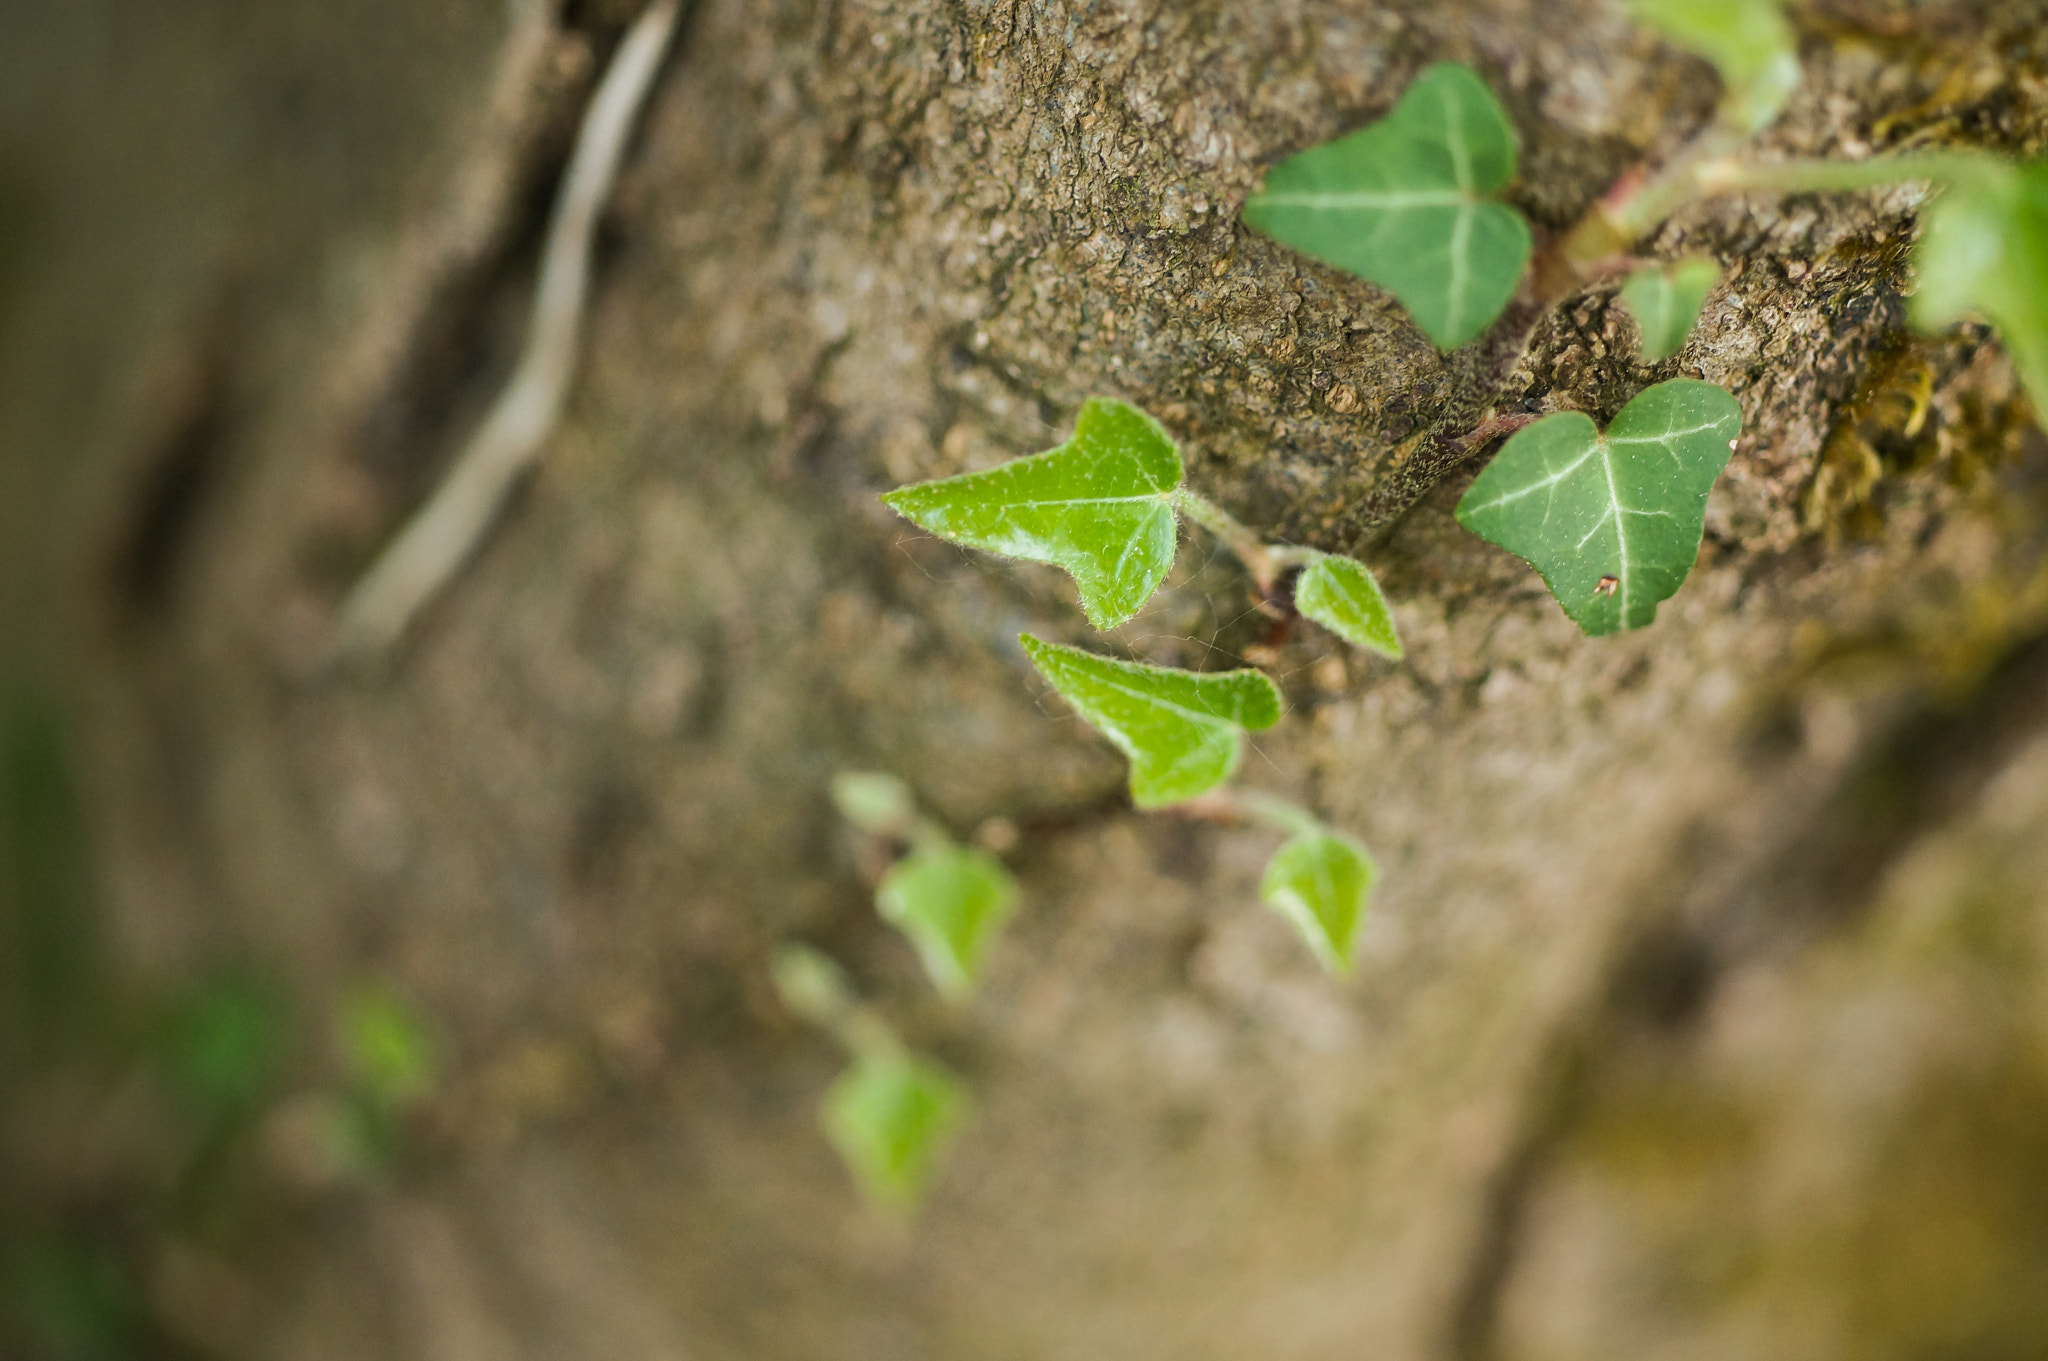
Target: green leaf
[(811, 985), (1984, 249), (878, 804), (1612, 521), (1749, 43), (1341, 595), (1099, 506), (1666, 302), (1408, 203), (387, 1048), (1180, 728), (951, 901), (891, 1116), (225, 1047), (1319, 881)]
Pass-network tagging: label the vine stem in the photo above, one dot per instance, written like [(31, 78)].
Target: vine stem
[(1710, 168), (444, 532), (1264, 561), (817, 989), (1229, 805)]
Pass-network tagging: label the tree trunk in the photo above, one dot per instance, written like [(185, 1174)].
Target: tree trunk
[(1700, 1009)]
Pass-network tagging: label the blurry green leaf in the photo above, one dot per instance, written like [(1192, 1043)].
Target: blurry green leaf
[(1749, 43), (386, 1047), (1612, 521), (1341, 595), (891, 1116), (811, 985), (1319, 881), (1099, 506), (951, 901), (223, 1048), (1407, 203), (879, 804), (1984, 249), (1667, 300), (1180, 728), (73, 1299)]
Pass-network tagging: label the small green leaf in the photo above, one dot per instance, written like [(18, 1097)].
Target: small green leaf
[(224, 1048), (878, 804), (891, 1116), (1612, 521), (1180, 728), (1099, 506), (1408, 203), (1319, 881), (1666, 302), (1341, 595), (1984, 250), (1749, 43), (387, 1048), (811, 985), (951, 901)]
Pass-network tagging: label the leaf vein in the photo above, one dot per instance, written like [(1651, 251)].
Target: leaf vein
[(1196, 716), (1534, 487)]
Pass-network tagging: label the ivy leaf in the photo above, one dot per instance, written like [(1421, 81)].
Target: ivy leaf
[(1984, 249), (1612, 521), (1180, 728), (1318, 880), (1099, 506), (891, 1116), (951, 901), (1749, 43), (878, 804), (1340, 594), (387, 1048), (224, 1048), (1666, 302), (812, 986), (1407, 203)]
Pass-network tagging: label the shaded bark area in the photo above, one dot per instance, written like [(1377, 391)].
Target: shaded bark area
[(1698, 1014)]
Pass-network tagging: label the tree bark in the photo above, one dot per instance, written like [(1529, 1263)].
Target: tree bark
[(1700, 1007)]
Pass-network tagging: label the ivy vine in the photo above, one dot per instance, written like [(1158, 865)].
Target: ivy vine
[(1612, 519)]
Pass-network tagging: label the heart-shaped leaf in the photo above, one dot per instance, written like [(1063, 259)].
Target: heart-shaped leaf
[(1666, 302), (1612, 521), (1984, 250), (1180, 728), (1749, 43), (1099, 506), (1341, 595), (1319, 880), (1407, 203), (891, 1116), (951, 901)]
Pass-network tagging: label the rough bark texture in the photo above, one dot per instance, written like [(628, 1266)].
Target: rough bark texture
[(1701, 1010)]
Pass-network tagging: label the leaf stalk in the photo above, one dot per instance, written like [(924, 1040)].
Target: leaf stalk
[(1238, 806), (1233, 534)]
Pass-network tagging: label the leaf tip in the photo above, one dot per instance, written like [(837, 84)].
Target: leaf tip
[(1265, 705)]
